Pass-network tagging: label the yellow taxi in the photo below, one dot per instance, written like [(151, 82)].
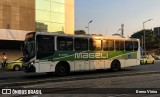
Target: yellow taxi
[(15, 65), (147, 59)]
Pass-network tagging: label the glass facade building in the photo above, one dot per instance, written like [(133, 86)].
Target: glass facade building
[(18, 17), (50, 15), (54, 16)]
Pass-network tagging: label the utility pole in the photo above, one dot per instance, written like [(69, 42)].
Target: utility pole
[(88, 25), (122, 29), (144, 42), (142, 45)]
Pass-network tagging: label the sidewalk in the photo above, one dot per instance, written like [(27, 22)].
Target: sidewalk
[(2, 68)]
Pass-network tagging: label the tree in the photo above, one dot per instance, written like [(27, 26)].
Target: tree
[(79, 32), (149, 38), (157, 42)]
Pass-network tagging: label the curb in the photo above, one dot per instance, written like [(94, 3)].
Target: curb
[(3, 69), (4, 85)]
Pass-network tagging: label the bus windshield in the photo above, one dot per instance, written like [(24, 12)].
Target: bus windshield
[(29, 47)]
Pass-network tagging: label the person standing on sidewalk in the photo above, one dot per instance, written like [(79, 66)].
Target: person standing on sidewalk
[(4, 60)]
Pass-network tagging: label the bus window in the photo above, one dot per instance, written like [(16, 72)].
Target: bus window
[(135, 45), (121, 45), (128, 46), (104, 45), (69, 44), (91, 45), (45, 46), (95, 45), (64, 43), (81, 44), (108, 45), (117, 45), (84, 44), (98, 45), (77, 44), (61, 43)]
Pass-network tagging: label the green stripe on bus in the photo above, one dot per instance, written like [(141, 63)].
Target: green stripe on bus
[(90, 55)]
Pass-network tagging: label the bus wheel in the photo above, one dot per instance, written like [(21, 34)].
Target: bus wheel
[(115, 66), (61, 70)]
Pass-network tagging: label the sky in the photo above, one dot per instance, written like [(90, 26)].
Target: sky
[(108, 15)]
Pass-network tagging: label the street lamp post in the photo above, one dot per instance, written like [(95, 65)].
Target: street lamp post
[(144, 42), (88, 25), (142, 46)]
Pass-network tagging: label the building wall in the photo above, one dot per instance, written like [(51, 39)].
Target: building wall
[(69, 16), (16, 17), (50, 15), (55, 16)]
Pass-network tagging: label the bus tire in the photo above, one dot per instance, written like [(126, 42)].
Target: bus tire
[(115, 66), (62, 69)]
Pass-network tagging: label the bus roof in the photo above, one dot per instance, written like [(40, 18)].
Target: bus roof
[(98, 36)]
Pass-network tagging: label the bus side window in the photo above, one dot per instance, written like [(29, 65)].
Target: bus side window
[(95, 45), (117, 45), (108, 45), (77, 44), (98, 45), (45, 46), (69, 44), (122, 45), (104, 45), (84, 44), (64, 43), (91, 45), (128, 45), (81, 44), (135, 45), (61, 43)]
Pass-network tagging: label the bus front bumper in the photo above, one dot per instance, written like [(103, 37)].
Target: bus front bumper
[(30, 68)]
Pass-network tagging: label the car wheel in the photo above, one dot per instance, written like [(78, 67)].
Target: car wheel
[(146, 62), (16, 68), (153, 62)]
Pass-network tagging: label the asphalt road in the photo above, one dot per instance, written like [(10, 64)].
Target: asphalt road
[(20, 76), (124, 83), (125, 86)]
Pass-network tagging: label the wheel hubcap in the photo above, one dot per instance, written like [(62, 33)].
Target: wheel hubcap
[(62, 69), (16, 68)]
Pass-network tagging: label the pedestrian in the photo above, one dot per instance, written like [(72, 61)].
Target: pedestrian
[(4, 60)]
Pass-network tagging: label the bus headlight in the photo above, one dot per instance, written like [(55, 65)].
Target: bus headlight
[(31, 63)]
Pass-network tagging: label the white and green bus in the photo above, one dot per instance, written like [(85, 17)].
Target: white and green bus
[(63, 53)]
